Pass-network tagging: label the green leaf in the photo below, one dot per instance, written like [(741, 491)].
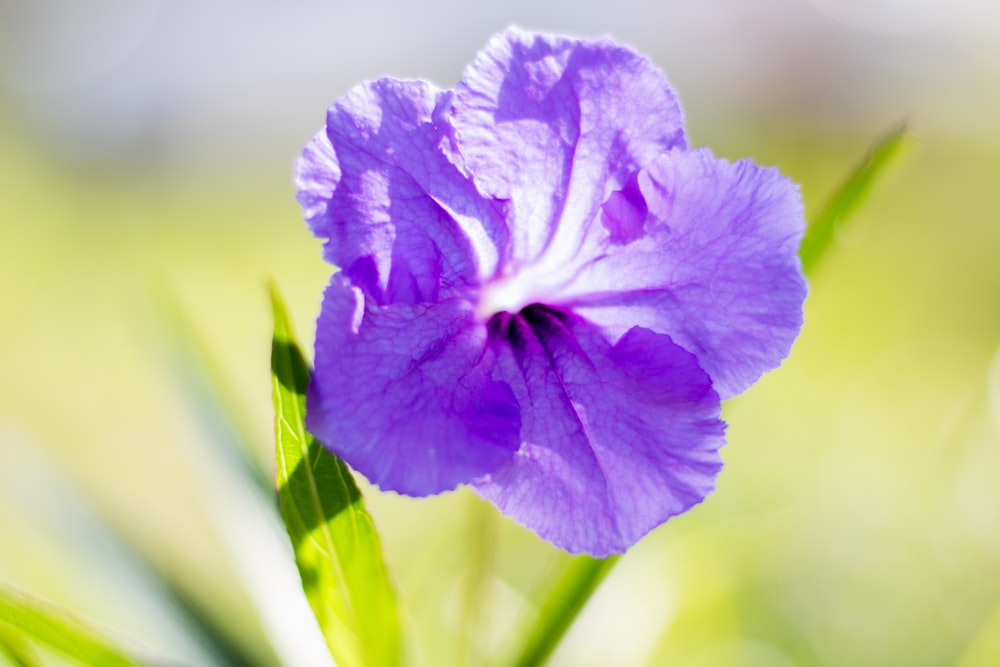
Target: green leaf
[(15, 649), (337, 548), (210, 391), (57, 629), (202, 626), (564, 602), (849, 196)]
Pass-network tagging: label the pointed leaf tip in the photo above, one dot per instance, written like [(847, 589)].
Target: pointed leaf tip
[(849, 196)]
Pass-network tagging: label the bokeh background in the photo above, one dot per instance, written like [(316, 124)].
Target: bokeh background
[(146, 150)]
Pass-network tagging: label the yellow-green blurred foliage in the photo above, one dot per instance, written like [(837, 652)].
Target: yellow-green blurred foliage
[(857, 520)]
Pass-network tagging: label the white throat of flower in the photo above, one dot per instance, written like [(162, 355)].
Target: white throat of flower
[(516, 288)]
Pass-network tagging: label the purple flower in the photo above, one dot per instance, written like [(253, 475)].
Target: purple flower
[(544, 293)]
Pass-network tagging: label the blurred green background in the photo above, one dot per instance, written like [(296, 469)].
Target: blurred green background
[(146, 198)]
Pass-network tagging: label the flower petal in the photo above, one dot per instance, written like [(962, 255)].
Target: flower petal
[(617, 439), (397, 215), (403, 393), (713, 264), (554, 124)]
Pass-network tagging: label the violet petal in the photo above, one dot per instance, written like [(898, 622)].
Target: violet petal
[(617, 438), (716, 269), (554, 125), (397, 215), (403, 393)]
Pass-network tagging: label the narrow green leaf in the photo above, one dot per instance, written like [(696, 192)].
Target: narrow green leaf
[(15, 649), (204, 627), (848, 197), (59, 630), (210, 391), (564, 602), (337, 548)]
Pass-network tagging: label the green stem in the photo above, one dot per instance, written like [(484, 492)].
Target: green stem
[(579, 580), (482, 556)]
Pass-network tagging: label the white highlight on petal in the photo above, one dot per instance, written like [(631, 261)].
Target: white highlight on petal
[(359, 309), (538, 282), (503, 294)]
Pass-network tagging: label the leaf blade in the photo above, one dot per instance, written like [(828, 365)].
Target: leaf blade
[(14, 649), (848, 197), (59, 630), (337, 548), (212, 394)]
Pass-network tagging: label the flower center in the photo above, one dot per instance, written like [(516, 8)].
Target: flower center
[(502, 294), (513, 290)]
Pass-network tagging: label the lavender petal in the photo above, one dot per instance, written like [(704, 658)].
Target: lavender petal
[(554, 124), (617, 438), (404, 395), (401, 220), (715, 265)]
